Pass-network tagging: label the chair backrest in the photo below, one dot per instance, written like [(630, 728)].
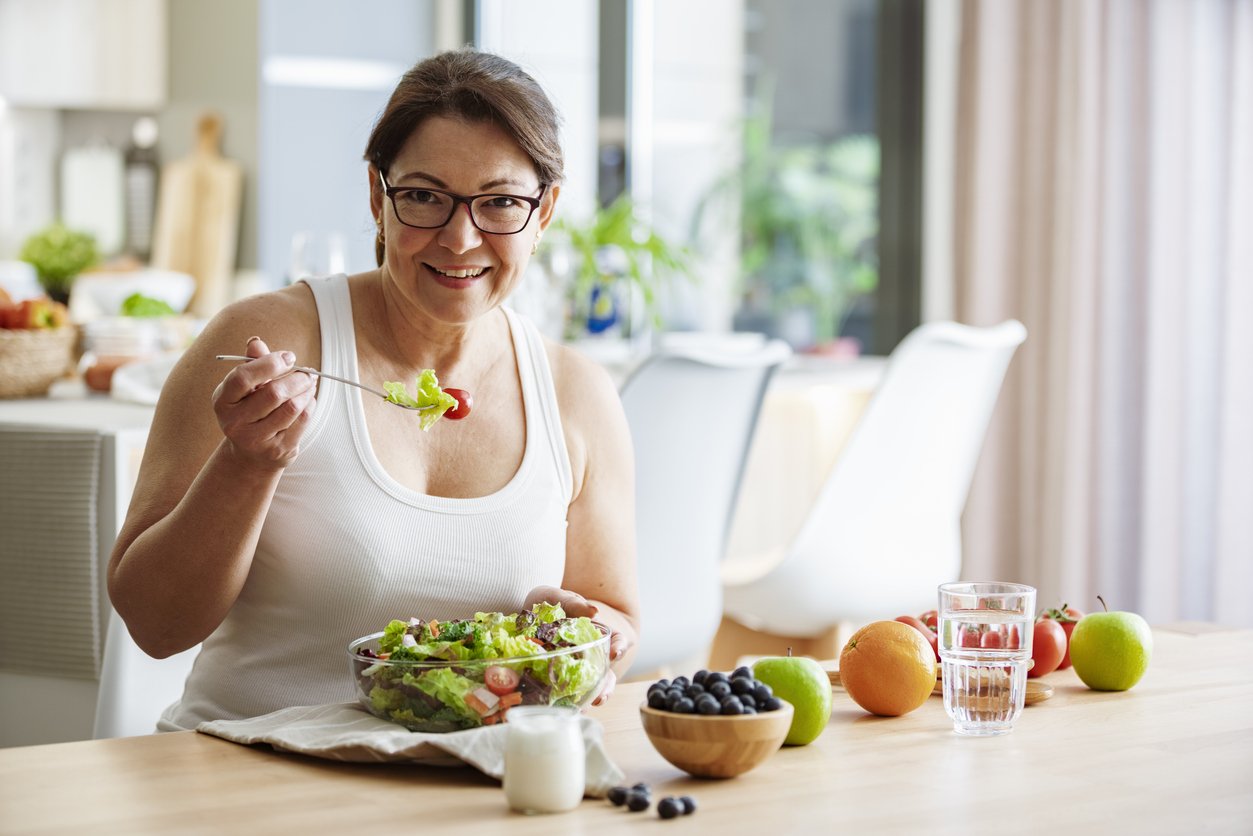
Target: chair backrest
[(692, 409), (135, 688), (885, 528)]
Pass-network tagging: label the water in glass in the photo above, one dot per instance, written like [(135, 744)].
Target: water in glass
[(985, 650)]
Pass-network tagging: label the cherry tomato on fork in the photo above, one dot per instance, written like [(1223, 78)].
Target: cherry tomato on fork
[(464, 404)]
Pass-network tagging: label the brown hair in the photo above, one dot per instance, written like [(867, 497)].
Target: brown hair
[(478, 87)]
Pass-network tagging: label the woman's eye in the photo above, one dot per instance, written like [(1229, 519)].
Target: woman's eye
[(418, 196), (501, 201)]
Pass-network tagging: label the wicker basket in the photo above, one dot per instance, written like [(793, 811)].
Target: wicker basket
[(30, 360)]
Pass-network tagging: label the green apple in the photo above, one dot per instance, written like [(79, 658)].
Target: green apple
[(1111, 650), (802, 682)]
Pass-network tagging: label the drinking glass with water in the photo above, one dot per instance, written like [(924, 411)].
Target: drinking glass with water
[(985, 634)]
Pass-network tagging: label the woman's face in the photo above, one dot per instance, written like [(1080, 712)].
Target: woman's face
[(456, 272)]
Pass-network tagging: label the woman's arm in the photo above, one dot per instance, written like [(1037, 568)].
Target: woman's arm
[(600, 534), (218, 444)]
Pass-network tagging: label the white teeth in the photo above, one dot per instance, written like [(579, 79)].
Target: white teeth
[(460, 274)]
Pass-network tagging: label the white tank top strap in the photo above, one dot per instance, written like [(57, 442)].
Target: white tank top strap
[(543, 416)]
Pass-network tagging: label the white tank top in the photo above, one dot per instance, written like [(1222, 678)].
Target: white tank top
[(345, 548)]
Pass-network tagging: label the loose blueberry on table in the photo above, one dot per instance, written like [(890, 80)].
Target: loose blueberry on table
[(636, 798)]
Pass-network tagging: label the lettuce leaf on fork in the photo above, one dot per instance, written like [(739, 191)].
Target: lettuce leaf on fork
[(428, 394)]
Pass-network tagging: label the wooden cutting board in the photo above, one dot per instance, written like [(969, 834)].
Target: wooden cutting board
[(1037, 691), (197, 224)]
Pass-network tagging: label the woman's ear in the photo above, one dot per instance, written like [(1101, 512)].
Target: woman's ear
[(547, 204), (376, 193)]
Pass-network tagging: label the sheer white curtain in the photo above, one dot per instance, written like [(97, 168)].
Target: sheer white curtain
[(1103, 194)]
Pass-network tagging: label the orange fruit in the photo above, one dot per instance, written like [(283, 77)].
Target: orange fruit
[(888, 668)]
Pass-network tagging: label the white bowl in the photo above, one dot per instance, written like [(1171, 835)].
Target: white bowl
[(100, 294)]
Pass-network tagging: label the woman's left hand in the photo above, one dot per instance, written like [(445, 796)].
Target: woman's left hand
[(576, 605)]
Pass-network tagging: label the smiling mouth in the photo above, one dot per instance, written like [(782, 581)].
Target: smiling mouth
[(470, 273)]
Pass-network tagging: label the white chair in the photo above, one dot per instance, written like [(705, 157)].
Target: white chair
[(135, 688), (692, 407), (885, 529)]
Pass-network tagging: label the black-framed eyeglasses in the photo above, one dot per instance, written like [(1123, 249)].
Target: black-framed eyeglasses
[(423, 207)]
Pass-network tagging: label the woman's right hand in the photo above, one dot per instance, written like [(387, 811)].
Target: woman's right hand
[(263, 407)]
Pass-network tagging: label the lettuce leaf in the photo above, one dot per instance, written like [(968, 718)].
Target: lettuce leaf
[(546, 613), (578, 630), (428, 394), (393, 633), (448, 687), (572, 677)]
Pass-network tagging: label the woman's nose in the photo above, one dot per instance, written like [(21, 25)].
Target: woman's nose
[(460, 234)]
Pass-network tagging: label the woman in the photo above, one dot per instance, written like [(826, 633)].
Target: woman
[(275, 532)]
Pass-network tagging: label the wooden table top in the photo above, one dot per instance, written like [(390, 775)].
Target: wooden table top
[(1173, 755)]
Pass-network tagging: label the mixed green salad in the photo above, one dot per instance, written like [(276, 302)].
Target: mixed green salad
[(428, 394), (461, 696)]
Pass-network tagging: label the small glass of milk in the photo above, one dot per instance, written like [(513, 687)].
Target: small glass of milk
[(544, 759)]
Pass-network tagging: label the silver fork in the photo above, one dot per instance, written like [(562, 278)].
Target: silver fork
[(308, 370)]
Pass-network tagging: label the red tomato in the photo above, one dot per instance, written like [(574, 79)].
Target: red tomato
[(1013, 642), (1068, 617), (926, 632), (464, 404), (500, 681), (968, 637), (1048, 645), (931, 618), (991, 639)]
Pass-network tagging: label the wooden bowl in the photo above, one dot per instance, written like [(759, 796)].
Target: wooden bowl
[(718, 746)]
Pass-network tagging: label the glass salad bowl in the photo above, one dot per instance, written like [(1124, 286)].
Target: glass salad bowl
[(465, 673)]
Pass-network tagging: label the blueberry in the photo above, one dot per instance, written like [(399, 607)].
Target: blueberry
[(684, 706), (681, 682), (669, 807), (720, 689), (657, 699), (689, 805), (716, 676), (700, 676), (695, 690), (673, 698), (637, 801), (741, 685), (732, 705), (641, 787), (708, 704), (742, 672), (748, 701), (748, 709), (664, 683), (618, 796), (762, 692), (772, 704)]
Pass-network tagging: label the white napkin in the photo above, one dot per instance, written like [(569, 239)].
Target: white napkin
[(346, 732)]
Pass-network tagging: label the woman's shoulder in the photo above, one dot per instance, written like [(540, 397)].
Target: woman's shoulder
[(583, 386), (286, 319)]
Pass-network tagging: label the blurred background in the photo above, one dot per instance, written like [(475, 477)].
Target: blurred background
[(829, 172)]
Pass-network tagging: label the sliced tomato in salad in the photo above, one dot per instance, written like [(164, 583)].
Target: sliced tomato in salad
[(501, 680)]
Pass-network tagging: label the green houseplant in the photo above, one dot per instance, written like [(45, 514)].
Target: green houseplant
[(808, 219), (58, 255), (615, 252)]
